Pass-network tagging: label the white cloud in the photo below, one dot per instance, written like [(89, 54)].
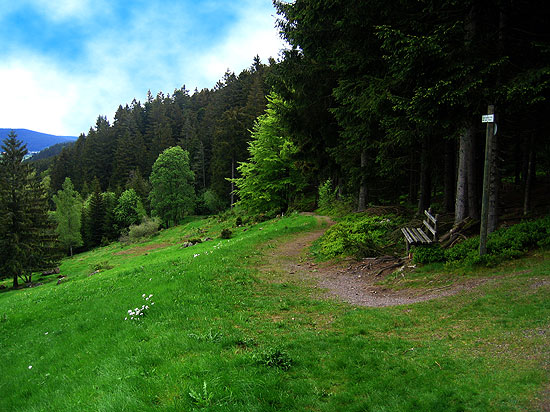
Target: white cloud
[(155, 49), (253, 34)]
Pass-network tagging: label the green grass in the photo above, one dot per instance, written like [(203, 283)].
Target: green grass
[(223, 337)]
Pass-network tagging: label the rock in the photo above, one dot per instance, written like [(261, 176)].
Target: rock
[(207, 239), (95, 272), (54, 271), (61, 280), (2, 287)]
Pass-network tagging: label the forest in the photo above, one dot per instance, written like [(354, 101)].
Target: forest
[(382, 101)]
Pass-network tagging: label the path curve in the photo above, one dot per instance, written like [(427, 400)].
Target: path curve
[(352, 281)]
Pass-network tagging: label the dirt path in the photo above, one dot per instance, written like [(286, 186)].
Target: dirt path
[(351, 281)]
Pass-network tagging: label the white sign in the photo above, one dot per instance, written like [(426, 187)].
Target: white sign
[(488, 118)]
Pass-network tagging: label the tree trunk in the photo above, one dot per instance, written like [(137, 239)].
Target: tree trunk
[(528, 178), (15, 281), (494, 188), (413, 186), (425, 178), (232, 183), (473, 198), (362, 202), (461, 199), (449, 178)]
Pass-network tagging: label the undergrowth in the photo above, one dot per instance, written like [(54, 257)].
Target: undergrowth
[(358, 235), (504, 244)]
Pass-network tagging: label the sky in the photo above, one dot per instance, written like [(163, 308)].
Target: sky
[(65, 62)]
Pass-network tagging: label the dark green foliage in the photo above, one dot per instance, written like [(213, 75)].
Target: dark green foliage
[(27, 235), (428, 254), (226, 233), (358, 235), (503, 244), (274, 357)]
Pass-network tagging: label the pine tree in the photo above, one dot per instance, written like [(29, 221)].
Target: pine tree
[(27, 241)]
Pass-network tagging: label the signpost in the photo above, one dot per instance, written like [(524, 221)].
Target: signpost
[(489, 118)]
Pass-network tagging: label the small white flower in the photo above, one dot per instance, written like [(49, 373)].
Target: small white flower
[(146, 298), (143, 295), (30, 366), (125, 318), (151, 295), (152, 303), (46, 333), (130, 311), (150, 279), (146, 307)]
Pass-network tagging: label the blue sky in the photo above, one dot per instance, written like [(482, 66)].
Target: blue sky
[(64, 62)]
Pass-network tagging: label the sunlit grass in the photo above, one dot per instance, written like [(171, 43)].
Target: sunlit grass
[(220, 331)]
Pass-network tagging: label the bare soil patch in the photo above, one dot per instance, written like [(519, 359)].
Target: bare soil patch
[(140, 250), (355, 282)]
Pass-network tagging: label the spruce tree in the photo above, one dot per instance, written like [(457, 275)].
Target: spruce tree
[(27, 241)]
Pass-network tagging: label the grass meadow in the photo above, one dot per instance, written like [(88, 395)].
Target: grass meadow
[(223, 336)]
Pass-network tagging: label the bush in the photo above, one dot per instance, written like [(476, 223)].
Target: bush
[(146, 228), (358, 235), (226, 233), (212, 202), (428, 254), (503, 244)]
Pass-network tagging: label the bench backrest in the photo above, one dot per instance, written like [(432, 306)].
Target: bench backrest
[(430, 223)]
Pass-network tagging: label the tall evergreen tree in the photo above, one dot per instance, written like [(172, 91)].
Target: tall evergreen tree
[(27, 241)]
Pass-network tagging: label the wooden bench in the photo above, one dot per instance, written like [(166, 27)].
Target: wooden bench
[(421, 236)]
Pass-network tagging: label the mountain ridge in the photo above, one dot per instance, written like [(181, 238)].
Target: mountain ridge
[(36, 141)]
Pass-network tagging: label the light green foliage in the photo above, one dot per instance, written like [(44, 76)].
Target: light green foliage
[(212, 202), (358, 235), (148, 227), (172, 192), (270, 178), (129, 209), (327, 195), (68, 205)]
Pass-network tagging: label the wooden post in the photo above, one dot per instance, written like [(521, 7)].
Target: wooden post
[(486, 180)]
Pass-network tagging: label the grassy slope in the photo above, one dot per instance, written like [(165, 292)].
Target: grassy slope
[(214, 314)]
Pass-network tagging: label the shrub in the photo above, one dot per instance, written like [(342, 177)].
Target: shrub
[(358, 235), (212, 202), (148, 227), (274, 358), (429, 254), (226, 233), (503, 244)]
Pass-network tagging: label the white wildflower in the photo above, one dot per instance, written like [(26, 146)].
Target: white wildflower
[(30, 366)]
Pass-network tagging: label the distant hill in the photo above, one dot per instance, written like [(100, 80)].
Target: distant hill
[(36, 141)]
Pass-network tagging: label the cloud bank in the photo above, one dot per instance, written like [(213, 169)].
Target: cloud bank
[(87, 57)]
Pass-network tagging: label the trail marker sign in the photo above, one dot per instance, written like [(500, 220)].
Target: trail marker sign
[(488, 118)]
